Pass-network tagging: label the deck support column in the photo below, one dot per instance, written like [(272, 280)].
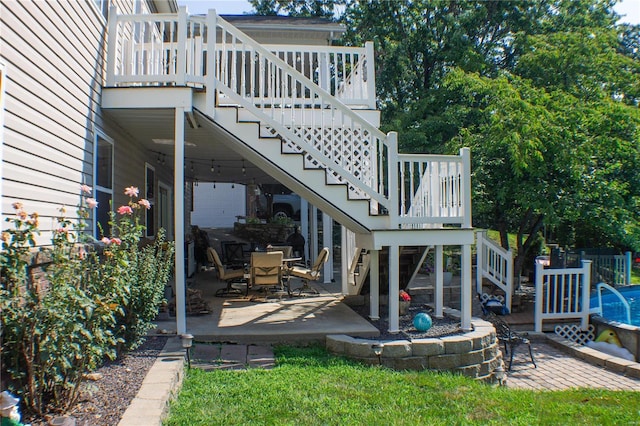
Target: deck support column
[(438, 289), (178, 184), (374, 285), (327, 241), (466, 288), (394, 289)]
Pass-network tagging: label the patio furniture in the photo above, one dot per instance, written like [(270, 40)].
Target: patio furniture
[(287, 251), (266, 270), (308, 274), (231, 276), (233, 254), (509, 338)]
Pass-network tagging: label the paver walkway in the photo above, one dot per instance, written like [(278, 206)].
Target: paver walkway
[(559, 370), (231, 356), (556, 369)]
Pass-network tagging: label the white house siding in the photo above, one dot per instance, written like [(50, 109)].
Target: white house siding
[(217, 208), (53, 53)]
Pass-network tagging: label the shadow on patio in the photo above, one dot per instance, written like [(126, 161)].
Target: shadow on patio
[(264, 318)]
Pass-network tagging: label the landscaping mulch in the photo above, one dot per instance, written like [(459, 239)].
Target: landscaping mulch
[(105, 399)]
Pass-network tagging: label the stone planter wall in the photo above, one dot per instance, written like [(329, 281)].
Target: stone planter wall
[(474, 354)]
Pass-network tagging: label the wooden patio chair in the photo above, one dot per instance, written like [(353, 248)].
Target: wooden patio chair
[(308, 274), (510, 339), (266, 270), (231, 276)]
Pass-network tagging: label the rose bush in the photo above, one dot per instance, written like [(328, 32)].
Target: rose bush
[(91, 299)]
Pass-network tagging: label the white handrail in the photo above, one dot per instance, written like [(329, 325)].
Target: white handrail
[(616, 293), (496, 264)]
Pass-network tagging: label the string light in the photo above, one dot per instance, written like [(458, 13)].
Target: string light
[(192, 167), (244, 169), (212, 168)]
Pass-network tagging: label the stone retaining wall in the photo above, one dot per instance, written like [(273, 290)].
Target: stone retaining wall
[(474, 354)]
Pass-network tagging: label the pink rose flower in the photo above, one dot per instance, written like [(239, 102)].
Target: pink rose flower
[(105, 240), (125, 210), (86, 189), (91, 203), (131, 191), (145, 203), (116, 241)]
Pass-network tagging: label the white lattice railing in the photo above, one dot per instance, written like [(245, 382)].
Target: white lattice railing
[(496, 264), (303, 94), (562, 294)]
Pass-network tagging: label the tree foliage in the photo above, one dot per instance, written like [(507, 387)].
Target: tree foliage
[(545, 92)]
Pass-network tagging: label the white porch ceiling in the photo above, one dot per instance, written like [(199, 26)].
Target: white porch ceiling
[(201, 146)]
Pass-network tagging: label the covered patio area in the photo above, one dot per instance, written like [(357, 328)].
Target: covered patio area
[(268, 318)]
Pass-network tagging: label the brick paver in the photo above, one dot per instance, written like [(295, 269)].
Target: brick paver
[(559, 370)]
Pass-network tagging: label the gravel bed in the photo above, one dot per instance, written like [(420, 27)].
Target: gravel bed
[(105, 400), (446, 326)]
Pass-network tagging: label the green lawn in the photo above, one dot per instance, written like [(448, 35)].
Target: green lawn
[(310, 387)]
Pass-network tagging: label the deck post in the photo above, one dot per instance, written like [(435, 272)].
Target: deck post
[(394, 289), (465, 153), (374, 284), (438, 288), (466, 284), (371, 75), (181, 60), (586, 294), (479, 259), (327, 241), (111, 46), (178, 184), (392, 168), (210, 78)]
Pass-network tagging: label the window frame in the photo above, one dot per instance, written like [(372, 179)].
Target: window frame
[(101, 135)]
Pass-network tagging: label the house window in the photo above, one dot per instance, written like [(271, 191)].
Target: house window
[(103, 7), (150, 195), (103, 165)]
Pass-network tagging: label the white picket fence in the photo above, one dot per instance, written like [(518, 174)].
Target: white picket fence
[(562, 294)]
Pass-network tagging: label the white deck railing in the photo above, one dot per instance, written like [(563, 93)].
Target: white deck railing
[(305, 95), (562, 294), (496, 264)]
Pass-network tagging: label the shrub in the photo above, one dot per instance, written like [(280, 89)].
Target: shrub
[(93, 299)]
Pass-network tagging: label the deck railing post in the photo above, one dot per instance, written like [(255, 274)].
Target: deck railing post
[(392, 172), (112, 40), (465, 153), (627, 268), (210, 78), (181, 60), (371, 75), (586, 293), (538, 300)]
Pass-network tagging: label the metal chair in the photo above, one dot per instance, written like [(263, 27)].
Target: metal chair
[(233, 254), (231, 276), (509, 338), (308, 274), (266, 270)]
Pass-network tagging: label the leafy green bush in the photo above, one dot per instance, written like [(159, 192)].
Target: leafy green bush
[(91, 300)]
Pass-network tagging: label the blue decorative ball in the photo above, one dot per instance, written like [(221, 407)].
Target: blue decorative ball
[(422, 322)]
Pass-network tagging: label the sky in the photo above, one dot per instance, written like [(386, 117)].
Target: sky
[(630, 8)]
